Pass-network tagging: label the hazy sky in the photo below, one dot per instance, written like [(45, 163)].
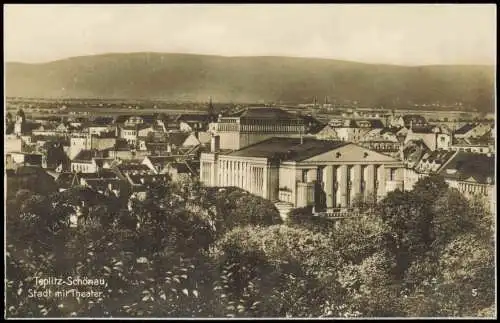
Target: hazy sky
[(394, 34)]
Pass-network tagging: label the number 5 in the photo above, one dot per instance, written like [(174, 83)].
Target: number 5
[(474, 292)]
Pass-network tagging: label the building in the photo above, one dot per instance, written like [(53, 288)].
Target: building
[(13, 143), (409, 120), (327, 133), (303, 171), (255, 124), (13, 160), (473, 175), (193, 122), (131, 133), (472, 130), (354, 130), (20, 123), (429, 135), (84, 161)]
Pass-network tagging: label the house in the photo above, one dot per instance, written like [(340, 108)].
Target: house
[(193, 122), (409, 120), (327, 133), (105, 186), (84, 161), (131, 133), (159, 164), (18, 159), (473, 175), (428, 134), (443, 141), (472, 130), (481, 145), (179, 171), (304, 172), (353, 130), (13, 143)]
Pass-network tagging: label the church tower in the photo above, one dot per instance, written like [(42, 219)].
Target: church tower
[(211, 112), (20, 123)]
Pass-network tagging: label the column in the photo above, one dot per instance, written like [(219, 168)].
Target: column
[(369, 180), (356, 182), (226, 173), (244, 176), (342, 185), (240, 174), (214, 171), (252, 180), (381, 178), (265, 182), (328, 185)]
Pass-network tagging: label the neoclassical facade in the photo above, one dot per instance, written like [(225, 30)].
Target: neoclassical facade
[(304, 172)]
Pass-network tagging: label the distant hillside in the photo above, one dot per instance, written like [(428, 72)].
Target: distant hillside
[(248, 79)]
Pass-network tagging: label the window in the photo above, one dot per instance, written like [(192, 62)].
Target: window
[(392, 174), (304, 176)]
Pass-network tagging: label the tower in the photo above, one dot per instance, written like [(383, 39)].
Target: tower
[(211, 112), (20, 122)]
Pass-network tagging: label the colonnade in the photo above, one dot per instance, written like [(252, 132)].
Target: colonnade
[(243, 174)]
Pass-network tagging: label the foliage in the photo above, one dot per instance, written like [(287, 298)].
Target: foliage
[(190, 251)]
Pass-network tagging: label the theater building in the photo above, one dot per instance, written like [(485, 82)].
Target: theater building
[(255, 124), (303, 172)]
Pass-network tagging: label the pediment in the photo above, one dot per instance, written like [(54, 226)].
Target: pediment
[(351, 153)]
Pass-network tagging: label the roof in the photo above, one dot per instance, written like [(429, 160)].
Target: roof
[(101, 160), (423, 130), (138, 179), (414, 150), (177, 138), (147, 118), (416, 118), (193, 117), (87, 155), (464, 129), (265, 113), (438, 156), (130, 167), (204, 137), (374, 123), (466, 166), (161, 159), (137, 127), (102, 183), (104, 173), (101, 121), (288, 148), (64, 180)]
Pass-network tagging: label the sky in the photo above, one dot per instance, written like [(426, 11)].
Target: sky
[(411, 34)]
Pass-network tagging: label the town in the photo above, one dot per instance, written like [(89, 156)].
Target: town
[(282, 161), (294, 156)]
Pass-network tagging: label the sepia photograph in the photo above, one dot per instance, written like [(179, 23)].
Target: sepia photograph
[(249, 161)]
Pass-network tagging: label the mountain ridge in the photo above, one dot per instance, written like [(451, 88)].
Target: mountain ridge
[(249, 78)]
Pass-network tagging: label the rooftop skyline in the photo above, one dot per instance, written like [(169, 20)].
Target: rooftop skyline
[(411, 34)]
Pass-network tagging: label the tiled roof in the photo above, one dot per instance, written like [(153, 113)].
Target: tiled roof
[(87, 155), (177, 138), (416, 118), (193, 117), (288, 148), (464, 129), (465, 165)]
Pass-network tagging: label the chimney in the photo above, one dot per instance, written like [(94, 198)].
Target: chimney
[(215, 144)]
